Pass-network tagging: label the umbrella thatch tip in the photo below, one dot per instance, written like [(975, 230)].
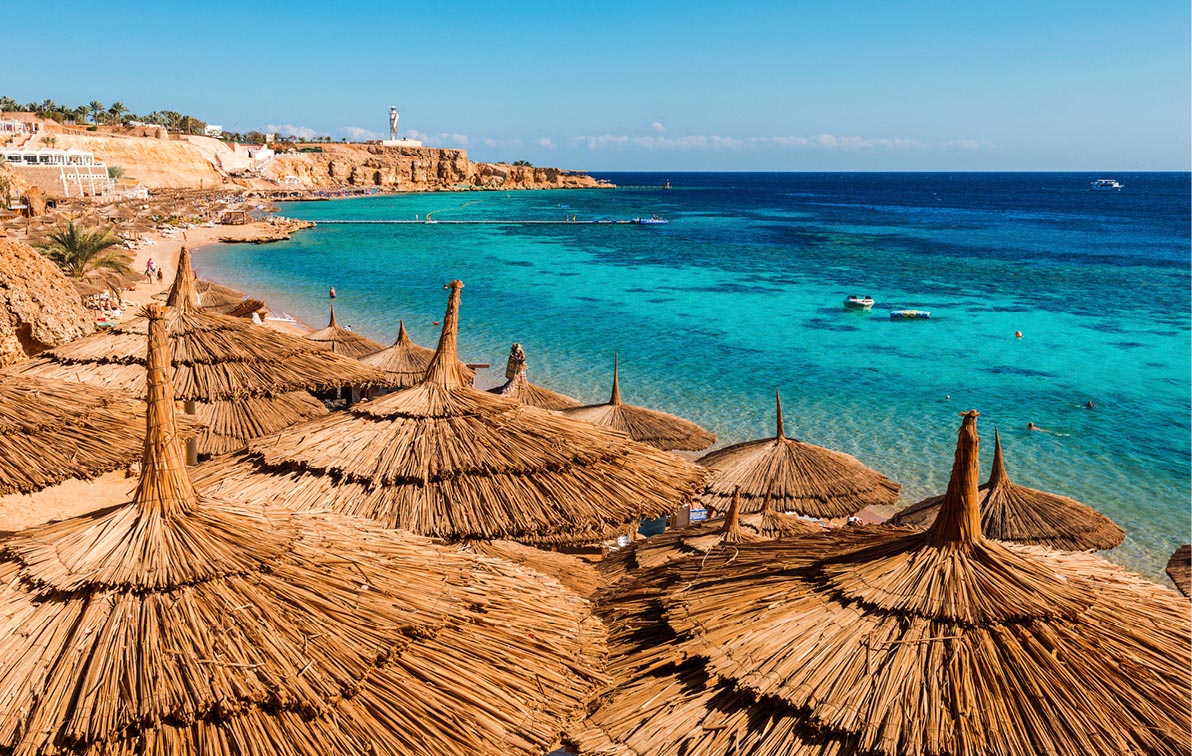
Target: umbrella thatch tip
[(455, 285)]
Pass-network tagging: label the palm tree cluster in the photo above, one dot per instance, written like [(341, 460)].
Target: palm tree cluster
[(95, 113), (80, 251)]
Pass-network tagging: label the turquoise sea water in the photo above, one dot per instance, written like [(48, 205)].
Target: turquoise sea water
[(741, 294)]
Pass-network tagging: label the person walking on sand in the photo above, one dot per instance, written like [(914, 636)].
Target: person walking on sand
[(159, 275)]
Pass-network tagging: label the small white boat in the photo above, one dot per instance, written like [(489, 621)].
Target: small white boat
[(652, 221), (858, 303), (1105, 185), (910, 315)]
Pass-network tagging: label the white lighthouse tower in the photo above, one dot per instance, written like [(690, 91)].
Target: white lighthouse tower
[(393, 141)]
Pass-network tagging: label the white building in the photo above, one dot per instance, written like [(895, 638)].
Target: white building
[(70, 173), (48, 157), (213, 130)]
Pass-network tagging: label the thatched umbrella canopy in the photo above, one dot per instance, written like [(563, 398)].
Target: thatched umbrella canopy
[(404, 363), (518, 386), (213, 295), (342, 341), (1179, 569), (659, 429), (1010, 512), (246, 380), (447, 460), (801, 477), (177, 624), (51, 430), (891, 641)]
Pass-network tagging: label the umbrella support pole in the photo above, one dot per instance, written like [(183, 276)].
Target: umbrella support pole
[(192, 444)]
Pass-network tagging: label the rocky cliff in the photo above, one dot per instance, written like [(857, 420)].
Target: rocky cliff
[(162, 162), (412, 169), (39, 308)]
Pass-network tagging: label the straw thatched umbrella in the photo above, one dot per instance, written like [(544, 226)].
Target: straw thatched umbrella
[(518, 386), (880, 640), (213, 295), (1179, 569), (404, 363), (659, 429), (244, 380), (1011, 512), (447, 460), (342, 341), (51, 430), (177, 624), (801, 477)]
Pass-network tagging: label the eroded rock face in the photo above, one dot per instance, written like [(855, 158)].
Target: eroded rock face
[(39, 308), (416, 169)]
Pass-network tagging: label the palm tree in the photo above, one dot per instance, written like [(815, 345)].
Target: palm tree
[(116, 111), (96, 108), (79, 251)]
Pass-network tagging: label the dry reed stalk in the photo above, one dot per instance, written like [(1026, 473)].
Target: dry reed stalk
[(177, 624), (446, 460), (799, 477), (1011, 512), (893, 641), (658, 429)]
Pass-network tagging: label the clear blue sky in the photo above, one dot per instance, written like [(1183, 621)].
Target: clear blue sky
[(656, 85)]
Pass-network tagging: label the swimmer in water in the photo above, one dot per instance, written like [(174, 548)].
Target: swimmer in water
[(1032, 426), (1090, 405)]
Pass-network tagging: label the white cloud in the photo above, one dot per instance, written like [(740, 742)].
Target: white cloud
[(693, 142), (658, 127), (289, 129), (438, 140), (547, 143), (357, 134), (819, 142)]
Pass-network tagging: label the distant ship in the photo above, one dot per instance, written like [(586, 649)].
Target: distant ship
[(1105, 185)]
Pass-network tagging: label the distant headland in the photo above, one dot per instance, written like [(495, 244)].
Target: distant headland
[(95, 152)]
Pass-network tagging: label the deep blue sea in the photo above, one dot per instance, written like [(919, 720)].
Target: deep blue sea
[(742, 292)]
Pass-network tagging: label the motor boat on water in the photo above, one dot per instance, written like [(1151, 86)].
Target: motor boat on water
[(653, 220), (910, 315), (1105, 185), (859, 303)]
